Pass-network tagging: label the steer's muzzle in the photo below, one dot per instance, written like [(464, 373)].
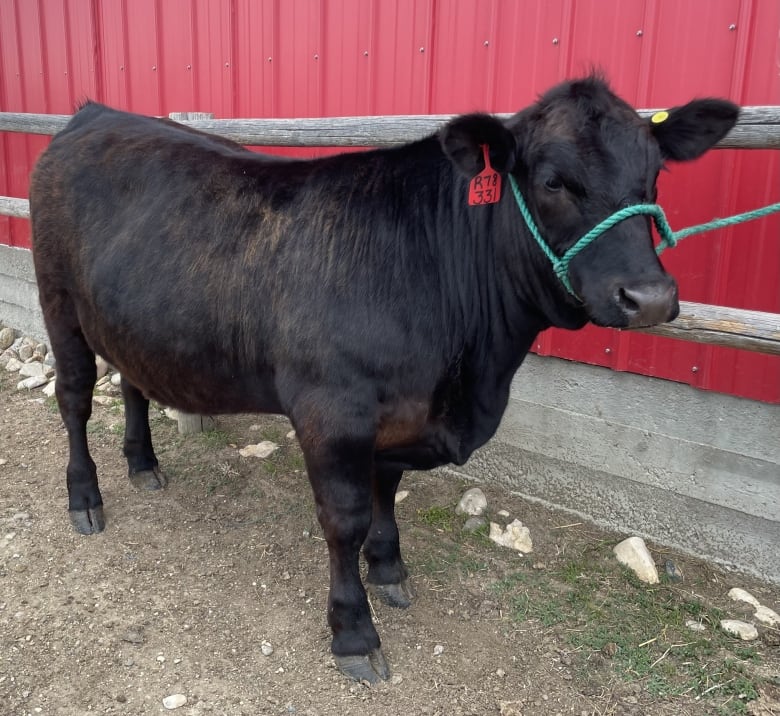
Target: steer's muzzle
[(648, 303)]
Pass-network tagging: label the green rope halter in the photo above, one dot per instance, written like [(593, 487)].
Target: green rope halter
[(669, 238)]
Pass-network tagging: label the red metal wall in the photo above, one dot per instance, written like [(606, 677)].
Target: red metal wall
[(288, 58)]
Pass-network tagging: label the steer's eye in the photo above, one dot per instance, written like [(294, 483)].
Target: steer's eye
[(553, 184)]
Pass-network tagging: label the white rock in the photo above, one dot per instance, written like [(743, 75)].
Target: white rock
[(745, 631), (34, 382), (25, 351), (49, 388), (30, 369), (5, 356), (174, 701), (101, 364), (516, 536), (633, 553), (472, 524), (767, 616), (13, 365), (266, 648), (262, 449), (693, 625), (103, 399), (401, 495), (473, 503), (290, 435), (438, 650), (740, 595), (116, 379), (6, 338), (171, 413)]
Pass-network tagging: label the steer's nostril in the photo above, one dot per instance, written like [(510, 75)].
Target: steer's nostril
[(626, 301), (647, 304)]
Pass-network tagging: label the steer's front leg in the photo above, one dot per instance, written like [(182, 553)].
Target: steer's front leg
[(340, 474)]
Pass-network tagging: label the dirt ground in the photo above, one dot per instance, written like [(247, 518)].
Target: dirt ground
[(183, 587)]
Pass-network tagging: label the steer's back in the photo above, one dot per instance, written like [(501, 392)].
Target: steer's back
[(139, 227)]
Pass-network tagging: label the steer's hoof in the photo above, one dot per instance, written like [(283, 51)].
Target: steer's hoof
[(148, 479), (87, 522), (394, 595), (370, 668)]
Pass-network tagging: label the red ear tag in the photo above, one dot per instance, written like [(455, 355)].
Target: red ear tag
[(485, 188)]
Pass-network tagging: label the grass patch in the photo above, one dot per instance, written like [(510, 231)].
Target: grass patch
[(440, 518), (597, 608), (215, 439)]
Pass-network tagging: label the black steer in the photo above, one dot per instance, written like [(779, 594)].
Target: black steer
[(359, 294)]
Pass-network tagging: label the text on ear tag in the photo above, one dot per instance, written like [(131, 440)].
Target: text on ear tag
[(485, 188)]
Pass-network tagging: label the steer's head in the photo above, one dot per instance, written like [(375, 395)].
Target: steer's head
[(578, 155)]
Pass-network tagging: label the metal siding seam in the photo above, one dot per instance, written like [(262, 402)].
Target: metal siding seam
[(492, 68), (371, 82), (233, 54), (159, 59), (43, 57), (429, 51), (194, 54), (68, 53), (98, 62), (128, 100)]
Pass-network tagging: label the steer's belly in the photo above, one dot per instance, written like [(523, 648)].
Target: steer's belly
[(196, 380)]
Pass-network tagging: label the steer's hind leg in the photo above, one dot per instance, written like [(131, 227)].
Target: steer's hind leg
[(76, 375), (142, 465), (339, 469), (387, 573)]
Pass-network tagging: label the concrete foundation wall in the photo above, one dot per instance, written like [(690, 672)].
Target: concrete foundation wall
[(19, 306), (693, 470)]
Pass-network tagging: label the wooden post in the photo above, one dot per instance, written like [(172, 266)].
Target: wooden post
[(188, 423)]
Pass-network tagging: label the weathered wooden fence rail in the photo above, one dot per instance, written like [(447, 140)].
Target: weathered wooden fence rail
[(758, 128)]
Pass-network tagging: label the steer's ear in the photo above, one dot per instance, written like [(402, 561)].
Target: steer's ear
[(687, 132), (463, 137)]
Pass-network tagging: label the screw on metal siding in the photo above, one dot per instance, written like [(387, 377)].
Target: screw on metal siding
[(316, 57), (695, 369), (732, 27), (270, 59), (486, 43), (422, 49), (555, 40), (154, 68), (227, 64), (189, 67), (608, 351), (639, 33)]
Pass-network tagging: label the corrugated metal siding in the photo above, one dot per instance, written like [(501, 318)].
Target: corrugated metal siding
[(288, 58)]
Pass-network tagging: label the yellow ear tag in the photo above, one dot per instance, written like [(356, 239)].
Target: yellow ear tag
[(659, 117)]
